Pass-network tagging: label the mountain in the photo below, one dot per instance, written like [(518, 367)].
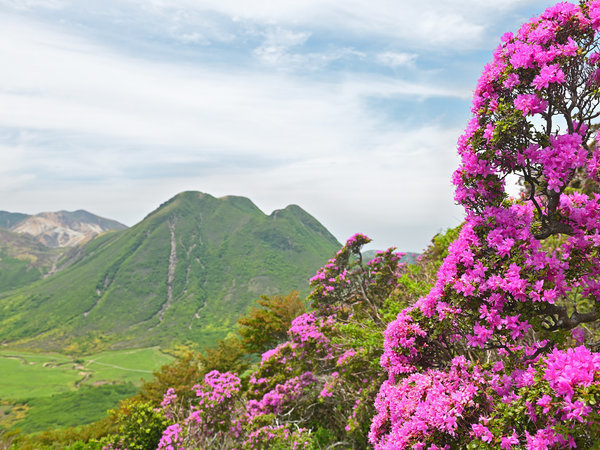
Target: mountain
[(9, 219), (23, 260), (184, 273), (60, 229), (31, 245)]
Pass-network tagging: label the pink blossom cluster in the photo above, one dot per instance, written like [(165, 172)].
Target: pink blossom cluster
[(529, 71), (414, 410), (171, 439), (217, 387), (275, 400), (214, 413), (168, 403), (567, 370), (334, 275)]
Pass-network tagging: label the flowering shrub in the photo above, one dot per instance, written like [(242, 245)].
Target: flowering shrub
[(214, 419), (336, 344), (523, 273), (313, 390)]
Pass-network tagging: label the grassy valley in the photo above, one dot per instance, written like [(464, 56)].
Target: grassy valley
[(46, 390)]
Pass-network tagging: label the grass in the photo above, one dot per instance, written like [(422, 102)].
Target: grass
[(42, 391), (69, 409), (27, 375), (125, 365)]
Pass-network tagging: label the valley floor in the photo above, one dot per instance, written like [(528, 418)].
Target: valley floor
[(42, 391)]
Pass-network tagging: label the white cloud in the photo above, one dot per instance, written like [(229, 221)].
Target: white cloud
[(395, 59), (278, 50), (24, 5), (278, 43), (54, 81), (428, 24)]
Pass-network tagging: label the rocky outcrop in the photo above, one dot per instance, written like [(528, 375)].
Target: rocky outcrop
[(64, 228)]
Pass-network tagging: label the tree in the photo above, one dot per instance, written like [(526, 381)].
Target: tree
[(228, 355), (263, 328), (180, 375), (492, 356)]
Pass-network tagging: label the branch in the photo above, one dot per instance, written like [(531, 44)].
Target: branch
[(568, 323)]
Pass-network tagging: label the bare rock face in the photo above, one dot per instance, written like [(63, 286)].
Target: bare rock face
[(64, 228)]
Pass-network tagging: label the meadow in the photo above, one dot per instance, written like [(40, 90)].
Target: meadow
[(49, 390)]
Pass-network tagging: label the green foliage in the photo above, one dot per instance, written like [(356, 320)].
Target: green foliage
[(68, 409), (263, 328), (181, 374), (140, 426), (228, 355)]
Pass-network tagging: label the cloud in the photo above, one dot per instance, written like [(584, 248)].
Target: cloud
[(428, 24), (55, 81), (279, 49), (394, 59), (278, 43)]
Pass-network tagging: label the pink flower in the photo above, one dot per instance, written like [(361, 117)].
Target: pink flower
[(530, 104)]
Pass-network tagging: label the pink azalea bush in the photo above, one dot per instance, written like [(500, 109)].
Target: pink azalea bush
[(487, 357)]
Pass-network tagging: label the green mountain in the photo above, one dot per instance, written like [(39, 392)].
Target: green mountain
[(23, 260), (185, 273)]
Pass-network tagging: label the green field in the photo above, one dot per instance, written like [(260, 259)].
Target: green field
[(41, 391)]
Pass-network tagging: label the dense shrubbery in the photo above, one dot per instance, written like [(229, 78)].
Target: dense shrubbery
[(493, 356)]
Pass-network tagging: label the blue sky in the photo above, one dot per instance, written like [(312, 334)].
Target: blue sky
[(349, 109)]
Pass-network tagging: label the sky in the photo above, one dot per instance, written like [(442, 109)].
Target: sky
[(350, 109)]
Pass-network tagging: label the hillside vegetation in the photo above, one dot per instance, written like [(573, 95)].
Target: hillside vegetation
[(23, 260)]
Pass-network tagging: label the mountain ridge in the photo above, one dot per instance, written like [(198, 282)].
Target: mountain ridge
[(59, 228), (185, 272)]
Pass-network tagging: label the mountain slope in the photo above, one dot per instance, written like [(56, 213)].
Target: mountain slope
[(8, 219), (23, 260), (186, 272)]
